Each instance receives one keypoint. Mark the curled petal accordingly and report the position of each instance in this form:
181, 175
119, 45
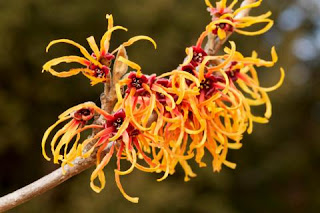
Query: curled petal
109, 18
259, 32
167, 167
66, 59
222, 34
245, 7
117, 179
81, 48
79, 106
188, 59
105, 40
229, 164
98, 172
201, 38
133, 163
229, 58
232, 4
187, 169
131, 64
269, 89
249, 20
138, 38
46, 134
183, 73
94, 46
208, 3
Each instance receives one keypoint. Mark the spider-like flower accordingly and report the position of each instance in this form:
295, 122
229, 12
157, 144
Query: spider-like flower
80, 115
242, 72
96, 65
139, 99
225, 20
145, 95
117, 134
227, 110
217, 109
121, 136
195, 54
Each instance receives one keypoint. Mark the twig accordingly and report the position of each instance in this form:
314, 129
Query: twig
108, 99
44, 184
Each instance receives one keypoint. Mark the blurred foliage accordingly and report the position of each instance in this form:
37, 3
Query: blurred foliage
277, 167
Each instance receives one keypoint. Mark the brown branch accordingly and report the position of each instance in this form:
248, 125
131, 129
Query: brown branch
108, 99
44, 184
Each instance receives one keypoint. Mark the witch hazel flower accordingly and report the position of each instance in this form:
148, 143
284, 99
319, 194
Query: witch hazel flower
226, 20
126, 142
144, 95
118, 135
139, 99
243, 71
210, 106
80, 115
96, 65
187, 117
230, 105
151, 93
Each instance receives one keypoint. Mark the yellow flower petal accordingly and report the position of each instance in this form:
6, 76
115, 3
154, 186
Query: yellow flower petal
255, 4
222, 34
94, 46
80, 47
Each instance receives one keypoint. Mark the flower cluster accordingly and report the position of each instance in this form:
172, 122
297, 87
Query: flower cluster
160, 122
96, 66
225, 20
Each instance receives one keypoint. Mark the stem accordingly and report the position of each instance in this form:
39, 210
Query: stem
44, 184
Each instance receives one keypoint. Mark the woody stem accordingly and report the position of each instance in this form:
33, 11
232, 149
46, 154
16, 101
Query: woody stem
44, 184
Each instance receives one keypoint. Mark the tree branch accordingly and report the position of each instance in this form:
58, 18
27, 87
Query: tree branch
44, 184
108, 99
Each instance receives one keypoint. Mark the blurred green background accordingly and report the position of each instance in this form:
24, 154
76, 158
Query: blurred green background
277, 167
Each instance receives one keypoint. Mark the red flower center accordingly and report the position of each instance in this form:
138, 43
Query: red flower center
132, 131
189, 69
207, 85
106, 59
224, 26
117, 123
99, 72
117, 120
233, 73
137, 83
84, 114
198, 55
164, 83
